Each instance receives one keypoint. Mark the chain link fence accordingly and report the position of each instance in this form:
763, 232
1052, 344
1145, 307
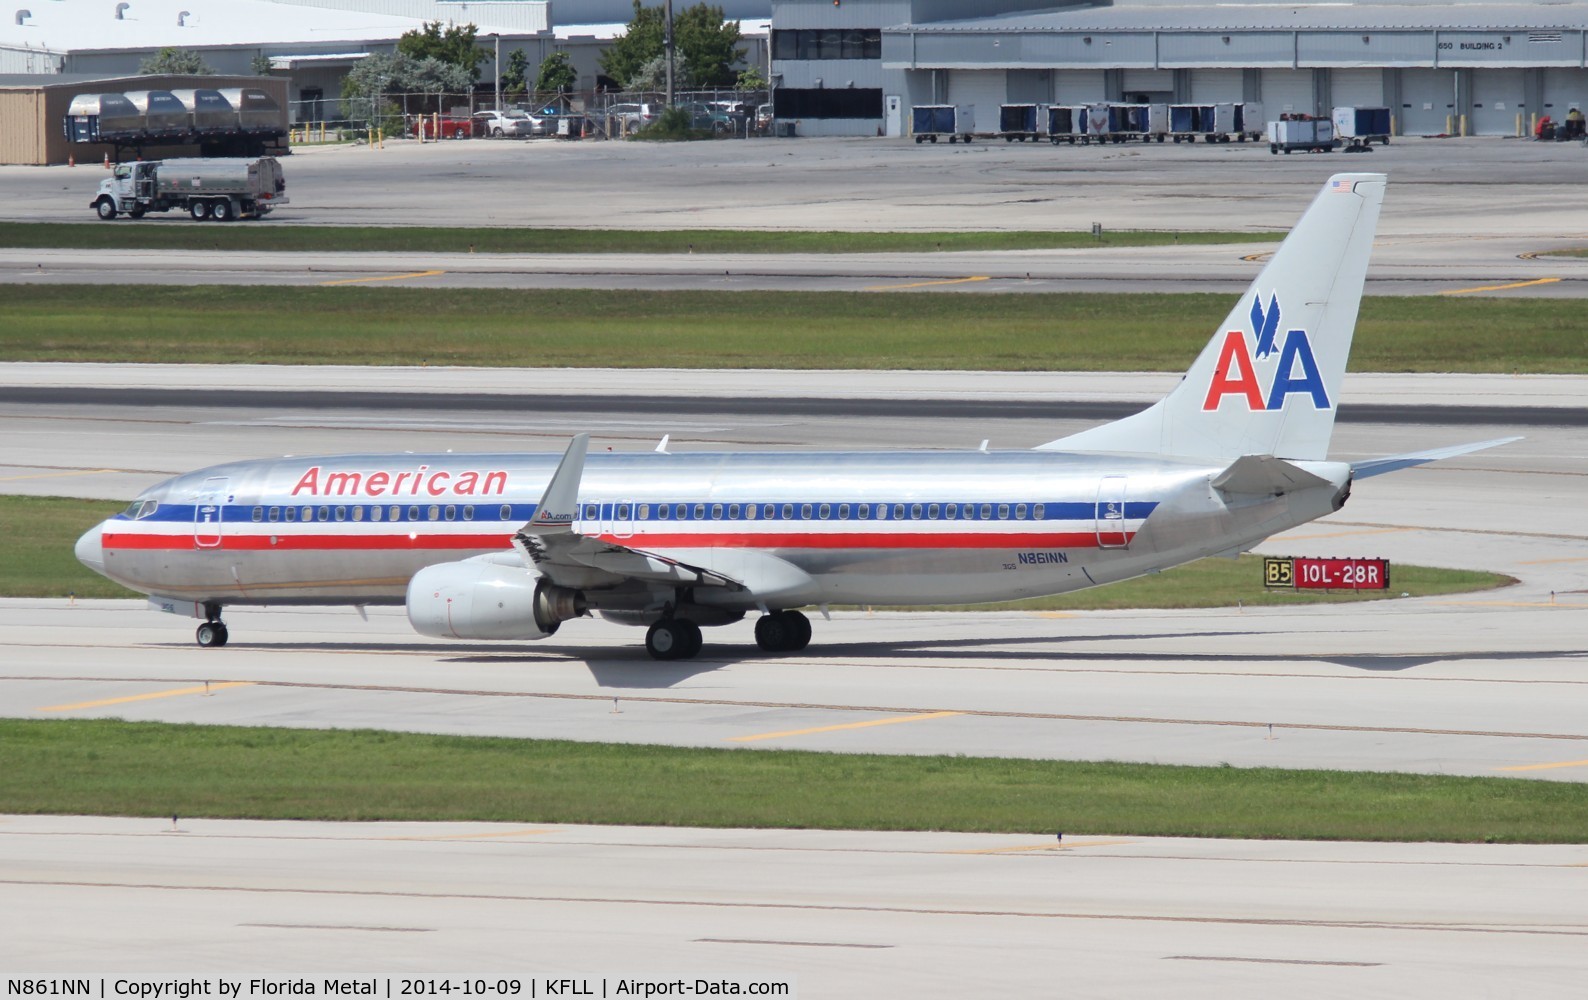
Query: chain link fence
720, 113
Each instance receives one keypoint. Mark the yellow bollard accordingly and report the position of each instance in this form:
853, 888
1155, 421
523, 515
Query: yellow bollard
1450, 125
1463, 126
1532, 123
380, 138
1519, 124
1394, 130
322, 131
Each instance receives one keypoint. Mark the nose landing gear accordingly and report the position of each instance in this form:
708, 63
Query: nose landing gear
212, 634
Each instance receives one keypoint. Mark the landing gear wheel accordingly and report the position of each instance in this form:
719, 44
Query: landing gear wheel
673, 639
212, 635
199, 210
783, 632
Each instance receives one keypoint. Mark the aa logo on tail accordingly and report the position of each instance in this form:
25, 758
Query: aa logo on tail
1295, 372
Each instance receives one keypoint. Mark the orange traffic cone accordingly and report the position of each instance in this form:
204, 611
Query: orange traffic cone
107, 161
71, 159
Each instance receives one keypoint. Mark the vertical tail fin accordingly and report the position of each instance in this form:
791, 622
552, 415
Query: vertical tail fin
1269, 380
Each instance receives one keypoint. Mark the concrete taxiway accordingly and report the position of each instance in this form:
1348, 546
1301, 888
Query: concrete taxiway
844, 914
1470, 684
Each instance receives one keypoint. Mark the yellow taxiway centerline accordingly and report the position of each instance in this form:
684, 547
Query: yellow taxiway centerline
847, 725
383, 277
101, 703
1545, 767
1501, 288
926, 284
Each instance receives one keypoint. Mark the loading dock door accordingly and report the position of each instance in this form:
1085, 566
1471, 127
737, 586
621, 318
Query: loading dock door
986, 90
1497, 97
1288, 91
1357, 88
1428, 98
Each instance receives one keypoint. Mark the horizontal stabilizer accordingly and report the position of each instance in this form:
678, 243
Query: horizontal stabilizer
1394, 463
1265, 475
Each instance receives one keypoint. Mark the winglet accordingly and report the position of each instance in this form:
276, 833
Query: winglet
559, 505
1394, 463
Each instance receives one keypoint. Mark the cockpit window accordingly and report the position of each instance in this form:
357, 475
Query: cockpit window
140, 509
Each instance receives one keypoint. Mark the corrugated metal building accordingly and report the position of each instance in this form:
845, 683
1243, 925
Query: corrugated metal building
1435, 66
33, 108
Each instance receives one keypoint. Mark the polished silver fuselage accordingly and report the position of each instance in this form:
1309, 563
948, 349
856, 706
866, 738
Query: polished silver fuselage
859, 527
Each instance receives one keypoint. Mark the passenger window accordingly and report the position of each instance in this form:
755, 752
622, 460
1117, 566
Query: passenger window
413, 513
375, 513
325, 513
259, 513
716, 512
645, 512
662, 510
396, 514
700, 512
951, 512
826, 511
358, 513
882, 512
275, 513
788, 511
468, 512
506, 512
898, 512
915, 511
986, 511
1003, 511
591, 511
1039, 512
341, 513
452, 512
1020, 512
805, 511
931, 512
750, 511
733, 512
843, 512
435, 513
679, 512
292, 514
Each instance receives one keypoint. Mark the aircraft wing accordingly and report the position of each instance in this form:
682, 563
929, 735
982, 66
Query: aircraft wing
570, 559
1394, 463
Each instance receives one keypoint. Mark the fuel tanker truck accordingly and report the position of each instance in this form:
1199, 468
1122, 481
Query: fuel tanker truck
219, 189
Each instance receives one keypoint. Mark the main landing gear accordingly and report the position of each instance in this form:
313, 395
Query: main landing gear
213, 632
783, 632
679, 638
673, 639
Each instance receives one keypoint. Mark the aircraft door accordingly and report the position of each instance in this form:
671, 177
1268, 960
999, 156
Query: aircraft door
207, 508
1110, 511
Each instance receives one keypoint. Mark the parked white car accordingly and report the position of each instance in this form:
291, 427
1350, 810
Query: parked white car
504, 124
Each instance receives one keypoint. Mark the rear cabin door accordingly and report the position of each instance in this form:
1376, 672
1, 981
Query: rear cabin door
1111, 530
207, 507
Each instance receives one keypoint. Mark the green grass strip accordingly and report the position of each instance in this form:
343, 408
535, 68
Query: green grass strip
151, 769
36, 560
630, 329
153, 234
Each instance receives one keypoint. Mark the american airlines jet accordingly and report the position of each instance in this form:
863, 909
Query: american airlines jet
512, 546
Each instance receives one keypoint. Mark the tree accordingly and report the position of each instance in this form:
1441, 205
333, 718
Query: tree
557, 75
515, 79
653, 75
175, 62
750, 79
642, 42
709, 43
455, 44
259, 65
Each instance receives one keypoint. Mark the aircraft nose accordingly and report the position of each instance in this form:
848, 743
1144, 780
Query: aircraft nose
91, 550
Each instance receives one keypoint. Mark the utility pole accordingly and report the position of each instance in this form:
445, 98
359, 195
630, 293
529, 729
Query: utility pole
497, 36
667, 41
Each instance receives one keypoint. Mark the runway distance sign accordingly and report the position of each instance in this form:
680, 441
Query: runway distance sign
1307, 573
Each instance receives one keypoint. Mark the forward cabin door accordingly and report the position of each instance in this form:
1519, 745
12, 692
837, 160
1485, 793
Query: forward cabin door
207, 507
1111, 531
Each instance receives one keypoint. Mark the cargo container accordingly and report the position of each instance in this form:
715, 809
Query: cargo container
1314, 135
257, 112
164, 117
219, 189
1360, 126
209, 112
1188, 121
1065, 123
1019, 121
928, 121
1154, 122
103, 118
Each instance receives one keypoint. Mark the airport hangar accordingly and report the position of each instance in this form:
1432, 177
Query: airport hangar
855, 67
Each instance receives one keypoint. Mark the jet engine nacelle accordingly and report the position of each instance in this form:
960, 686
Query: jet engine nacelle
485, 600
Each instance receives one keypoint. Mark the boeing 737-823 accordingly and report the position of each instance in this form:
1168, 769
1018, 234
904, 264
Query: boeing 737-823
512, 546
